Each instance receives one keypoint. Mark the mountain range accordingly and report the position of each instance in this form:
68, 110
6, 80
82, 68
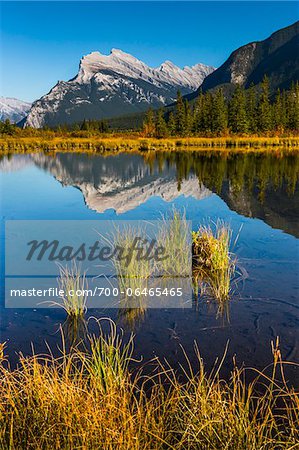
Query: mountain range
121, 88
13, 109
113, 85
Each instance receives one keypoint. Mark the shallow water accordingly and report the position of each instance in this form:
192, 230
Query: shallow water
257, 194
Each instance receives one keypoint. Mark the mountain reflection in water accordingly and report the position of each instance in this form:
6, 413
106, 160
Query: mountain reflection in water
236, 187
261, 185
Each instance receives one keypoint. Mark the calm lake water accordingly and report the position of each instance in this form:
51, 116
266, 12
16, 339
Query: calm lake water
257, 194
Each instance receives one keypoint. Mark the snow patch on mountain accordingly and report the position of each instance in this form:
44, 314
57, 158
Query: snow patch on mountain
13, 109
114, 85
125, 64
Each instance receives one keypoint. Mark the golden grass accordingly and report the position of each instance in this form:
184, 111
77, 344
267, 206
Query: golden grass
173, 236
2, 348
214, 265
93, 400
73, 284
114, 144
132, 273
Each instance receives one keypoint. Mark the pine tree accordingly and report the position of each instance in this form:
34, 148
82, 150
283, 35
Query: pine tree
251, 109
180, 115
278, 113
103, 126
198, 113
149, 124
7, 127
293, 107
171, 124
76, 127
237, 111
161, 127
296, 107
219, 121
84, 125
264, 108
207, 113
284, 102
188, 119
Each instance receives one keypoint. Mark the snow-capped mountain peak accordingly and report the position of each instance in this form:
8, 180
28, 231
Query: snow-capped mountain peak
113, 85
117, 61
121, 54
167, 65
13, 109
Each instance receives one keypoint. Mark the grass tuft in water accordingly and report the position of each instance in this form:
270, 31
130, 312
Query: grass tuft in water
132, 316
174, 237
213, 264
74, 286
132, 273
75, 329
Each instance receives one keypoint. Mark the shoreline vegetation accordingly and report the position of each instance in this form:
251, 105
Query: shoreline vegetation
93, 398
61, 142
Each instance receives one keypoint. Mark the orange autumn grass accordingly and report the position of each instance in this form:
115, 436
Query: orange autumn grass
118, 143
91, 400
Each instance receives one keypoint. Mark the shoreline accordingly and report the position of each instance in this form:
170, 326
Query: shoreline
133, 144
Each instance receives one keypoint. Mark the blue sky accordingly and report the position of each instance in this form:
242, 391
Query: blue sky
42, 42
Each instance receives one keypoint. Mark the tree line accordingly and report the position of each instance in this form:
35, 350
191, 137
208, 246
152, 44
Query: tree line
248, 111
90, 126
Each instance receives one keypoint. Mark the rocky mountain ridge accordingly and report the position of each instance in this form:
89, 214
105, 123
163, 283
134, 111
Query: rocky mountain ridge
13, 109
113, 85
277, 57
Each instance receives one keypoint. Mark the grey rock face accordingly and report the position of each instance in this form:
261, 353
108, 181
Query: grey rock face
111, 86
277, 57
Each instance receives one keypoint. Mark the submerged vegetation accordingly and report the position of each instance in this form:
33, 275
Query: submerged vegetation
93, 398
